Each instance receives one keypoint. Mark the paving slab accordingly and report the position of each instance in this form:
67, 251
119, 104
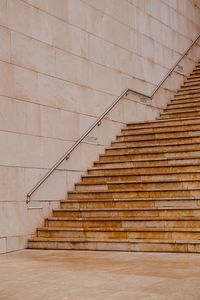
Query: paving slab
85, 275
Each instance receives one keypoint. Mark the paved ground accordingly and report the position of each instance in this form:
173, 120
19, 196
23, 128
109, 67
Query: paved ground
84, 275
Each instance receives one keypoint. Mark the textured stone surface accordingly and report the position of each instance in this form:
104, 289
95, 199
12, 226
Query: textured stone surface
85, 275
61, 65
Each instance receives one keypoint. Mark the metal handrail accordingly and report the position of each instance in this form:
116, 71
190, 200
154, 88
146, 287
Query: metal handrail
175, 65
66, 156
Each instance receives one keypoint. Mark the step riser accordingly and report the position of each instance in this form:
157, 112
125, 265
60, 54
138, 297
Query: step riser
134, 194
124, 224
180, 115
137, 213
182, 109
158, 136
160, 130
191, 83
145, 171
119, 178
102, 246
194, 76
138, 186
197, 67
190, 87
118, 235
184, 102
193, 79
178, 106
155, 163
188, 91
131, 204
195, 72
154, 149
159, 123
182, 154
184, 97
157, 142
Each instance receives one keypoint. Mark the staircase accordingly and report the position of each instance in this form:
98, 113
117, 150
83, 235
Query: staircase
144, 193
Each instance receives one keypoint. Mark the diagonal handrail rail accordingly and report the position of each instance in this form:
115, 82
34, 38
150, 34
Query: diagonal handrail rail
66, 155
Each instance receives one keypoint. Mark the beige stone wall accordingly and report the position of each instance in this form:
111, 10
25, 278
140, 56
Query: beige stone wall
62, 62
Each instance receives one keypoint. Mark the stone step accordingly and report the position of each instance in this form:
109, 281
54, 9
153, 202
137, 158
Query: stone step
151, 193
124, 222
183, 101
190, 87
161, 148
119, 233
197, 67
194, 75
138, 185
156, 155
158, 136
129, 212
102, 179
190, 105
160, 123
159, 170
191, 81
195, 72
184, 97
186, 91
154, 185
127, 163
180, 114
162, 129
137, 245
131, 203
181, 109
157, 141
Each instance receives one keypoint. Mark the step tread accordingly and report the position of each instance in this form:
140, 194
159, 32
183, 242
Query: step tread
140, 182
136, 218
99, 229
126, 209
99, 176
134, 190
129, 200
178, 101
156, 134
153, 159
187, 92
160, 125
160, 241
161, 120
148, 153
143, 167
151, 146
177, 106
158, 139
176, 111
